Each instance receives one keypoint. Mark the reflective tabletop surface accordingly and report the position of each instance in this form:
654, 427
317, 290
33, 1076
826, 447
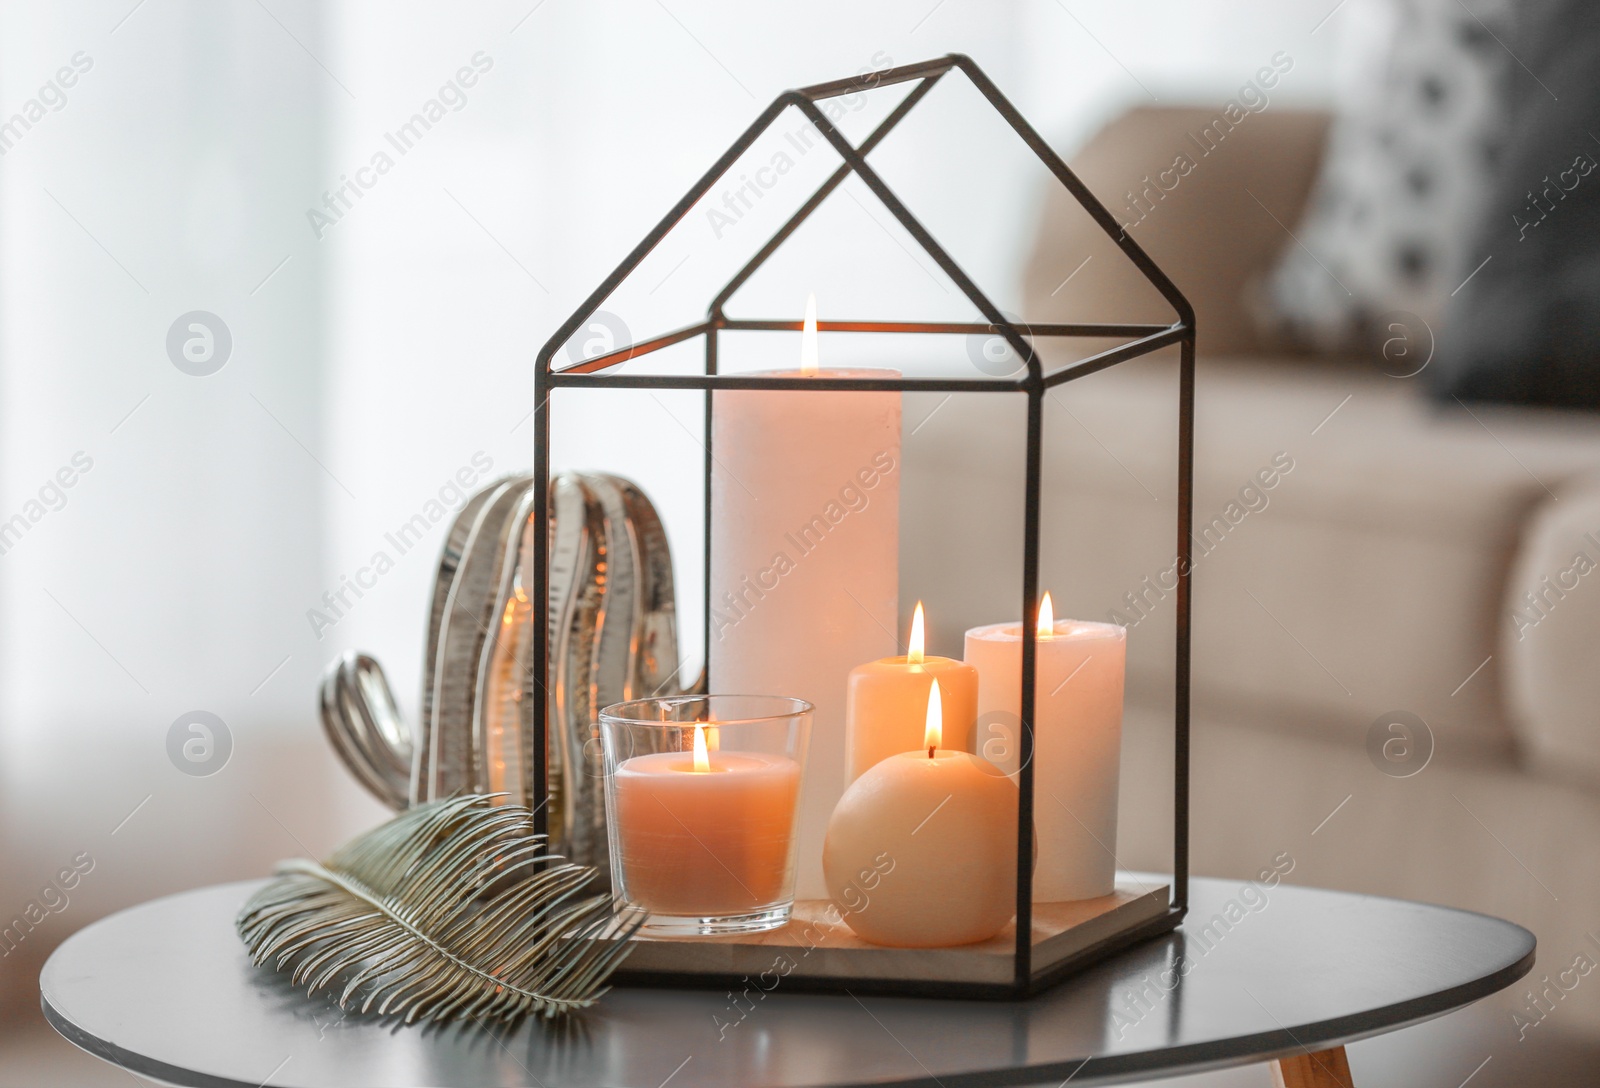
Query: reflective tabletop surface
165, 989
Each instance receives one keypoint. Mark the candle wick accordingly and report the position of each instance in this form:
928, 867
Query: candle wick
930, 751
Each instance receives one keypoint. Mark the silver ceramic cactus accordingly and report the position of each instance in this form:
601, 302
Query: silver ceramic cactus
613, 637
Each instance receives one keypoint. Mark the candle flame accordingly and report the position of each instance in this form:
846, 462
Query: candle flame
808, 339
933, 734
1047, 617
702, 762
914, 655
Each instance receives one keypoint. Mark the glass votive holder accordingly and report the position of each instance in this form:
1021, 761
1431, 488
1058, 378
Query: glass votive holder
702, 798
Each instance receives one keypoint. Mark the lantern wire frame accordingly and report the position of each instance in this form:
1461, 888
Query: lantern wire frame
1031, 379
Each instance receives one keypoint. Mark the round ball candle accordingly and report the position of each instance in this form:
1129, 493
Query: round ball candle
1077, 740
922, 849
886, 702
706, 833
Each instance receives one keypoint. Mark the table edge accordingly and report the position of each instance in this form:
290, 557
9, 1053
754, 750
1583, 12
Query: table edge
1161, 1062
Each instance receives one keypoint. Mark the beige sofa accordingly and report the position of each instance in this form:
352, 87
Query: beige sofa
1360, 552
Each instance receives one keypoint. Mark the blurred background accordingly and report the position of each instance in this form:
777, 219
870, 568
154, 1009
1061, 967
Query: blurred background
254, 318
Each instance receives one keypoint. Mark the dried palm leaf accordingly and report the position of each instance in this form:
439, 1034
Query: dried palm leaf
452, 909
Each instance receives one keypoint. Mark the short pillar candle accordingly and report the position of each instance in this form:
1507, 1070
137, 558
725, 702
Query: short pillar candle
886, 703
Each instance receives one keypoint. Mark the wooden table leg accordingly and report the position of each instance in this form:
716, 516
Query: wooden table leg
1321, 1069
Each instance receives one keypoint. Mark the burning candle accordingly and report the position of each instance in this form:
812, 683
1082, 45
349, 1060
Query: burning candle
886, 700
1077, 740
702, 836
805, 556
922, 850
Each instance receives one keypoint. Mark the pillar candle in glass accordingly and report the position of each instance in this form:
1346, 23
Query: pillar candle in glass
701, 799
805, 557
886, 703
1077, 741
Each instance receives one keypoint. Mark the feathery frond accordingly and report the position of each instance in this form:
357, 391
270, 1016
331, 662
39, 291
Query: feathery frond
452, 909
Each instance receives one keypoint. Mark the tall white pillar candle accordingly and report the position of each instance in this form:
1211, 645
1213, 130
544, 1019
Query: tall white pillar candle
805, 533
1077, 740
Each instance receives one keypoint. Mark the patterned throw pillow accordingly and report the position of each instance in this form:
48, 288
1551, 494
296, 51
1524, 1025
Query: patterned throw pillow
1419, 125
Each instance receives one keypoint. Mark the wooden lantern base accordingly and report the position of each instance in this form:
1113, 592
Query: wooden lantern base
814, 953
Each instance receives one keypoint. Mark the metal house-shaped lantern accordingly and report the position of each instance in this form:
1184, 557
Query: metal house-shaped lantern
1028, 962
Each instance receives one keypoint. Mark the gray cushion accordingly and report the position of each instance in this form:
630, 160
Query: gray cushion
1526, 327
